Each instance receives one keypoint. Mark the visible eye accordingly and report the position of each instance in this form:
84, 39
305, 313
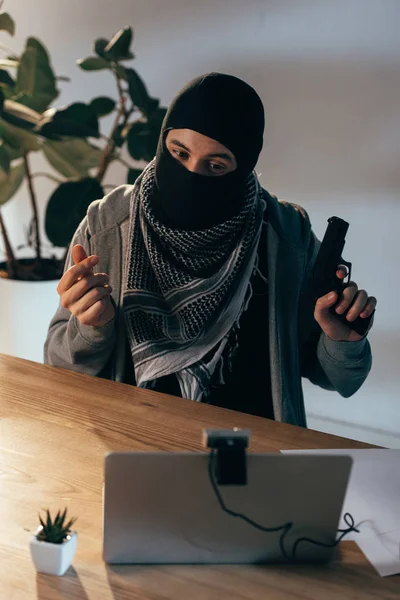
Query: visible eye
217, 168
180, 153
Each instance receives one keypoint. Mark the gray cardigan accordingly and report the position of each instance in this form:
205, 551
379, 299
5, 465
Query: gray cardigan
291, 250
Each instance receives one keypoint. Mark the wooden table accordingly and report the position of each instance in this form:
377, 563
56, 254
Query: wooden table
56, 426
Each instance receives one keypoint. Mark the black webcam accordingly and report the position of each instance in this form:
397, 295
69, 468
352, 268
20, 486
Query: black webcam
229, 447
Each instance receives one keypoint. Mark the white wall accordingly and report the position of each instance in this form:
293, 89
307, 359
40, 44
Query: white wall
329, 76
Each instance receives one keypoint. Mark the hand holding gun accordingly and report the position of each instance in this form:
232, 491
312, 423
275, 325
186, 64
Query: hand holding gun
342, 310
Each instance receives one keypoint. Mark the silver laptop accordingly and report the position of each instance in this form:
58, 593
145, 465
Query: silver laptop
161, 508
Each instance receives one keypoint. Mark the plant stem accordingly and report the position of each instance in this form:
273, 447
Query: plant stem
11, 262
110, 146
108, 152
119, 87
34, 206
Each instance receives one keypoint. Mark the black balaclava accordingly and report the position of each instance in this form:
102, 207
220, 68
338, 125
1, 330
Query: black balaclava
229, 111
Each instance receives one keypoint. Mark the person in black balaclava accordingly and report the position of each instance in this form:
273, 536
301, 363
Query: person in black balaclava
197, 223
204, 225
208, 292
227, 110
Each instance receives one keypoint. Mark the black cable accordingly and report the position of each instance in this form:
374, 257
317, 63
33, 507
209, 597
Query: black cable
349, 520
284, 528
351, 527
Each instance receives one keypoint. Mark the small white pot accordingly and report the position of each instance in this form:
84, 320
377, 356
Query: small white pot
53, 559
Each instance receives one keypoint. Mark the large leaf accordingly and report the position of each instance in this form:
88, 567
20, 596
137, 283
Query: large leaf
6, 79
139, 94
13, 152
10, 183
118, 46
121, 72
120, 134
155, 124
20, 115
16, 129
18, 139
102, 106
72, 158
4, 158
76, 120
7, 63
93, 63
143, 136
138, 140
35, 77
137, 88
133, 174
7, 23
68, 206
156, 121
99, 46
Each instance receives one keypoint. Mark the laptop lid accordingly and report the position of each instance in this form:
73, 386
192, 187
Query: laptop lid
161, 508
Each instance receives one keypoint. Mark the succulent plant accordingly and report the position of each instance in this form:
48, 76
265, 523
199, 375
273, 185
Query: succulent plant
54, 531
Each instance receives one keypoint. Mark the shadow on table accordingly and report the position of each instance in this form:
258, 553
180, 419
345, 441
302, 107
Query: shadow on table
68, 586
125, 581
351, 577
154, 582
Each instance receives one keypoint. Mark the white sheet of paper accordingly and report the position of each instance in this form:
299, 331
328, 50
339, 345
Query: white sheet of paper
373, 499
383, 551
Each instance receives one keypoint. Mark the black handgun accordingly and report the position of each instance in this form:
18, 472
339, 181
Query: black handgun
324, 279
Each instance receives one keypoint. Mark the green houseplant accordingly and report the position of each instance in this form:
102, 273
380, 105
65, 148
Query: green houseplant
54, 544
71, 140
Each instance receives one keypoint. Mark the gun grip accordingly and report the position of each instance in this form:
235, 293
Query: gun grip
359, 325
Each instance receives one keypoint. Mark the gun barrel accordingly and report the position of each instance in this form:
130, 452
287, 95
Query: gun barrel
338, 227
331, 250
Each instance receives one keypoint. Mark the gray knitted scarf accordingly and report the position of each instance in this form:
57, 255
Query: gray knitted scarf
185, 291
